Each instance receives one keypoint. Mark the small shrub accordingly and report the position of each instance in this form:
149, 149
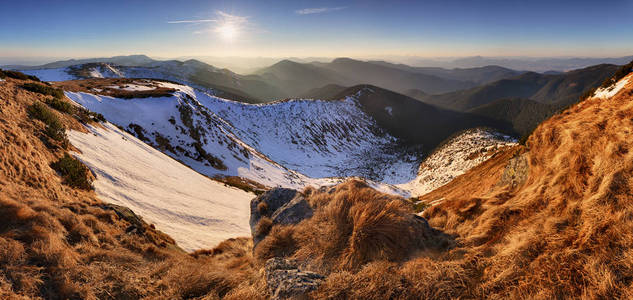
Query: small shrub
619, 74
263, 227
44, 90
138, 131
85, 116
54, 128
419, 206
73, 172
61, 105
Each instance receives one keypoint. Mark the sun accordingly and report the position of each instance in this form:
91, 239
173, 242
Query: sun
227, 31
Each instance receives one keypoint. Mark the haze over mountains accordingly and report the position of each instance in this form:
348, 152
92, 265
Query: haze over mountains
344, 118
485, 96
248, 65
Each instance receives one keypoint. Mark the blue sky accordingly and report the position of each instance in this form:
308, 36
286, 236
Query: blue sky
55, 28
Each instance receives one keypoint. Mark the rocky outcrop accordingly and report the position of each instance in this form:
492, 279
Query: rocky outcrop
277, 206
286, 281
515, 172
137, 225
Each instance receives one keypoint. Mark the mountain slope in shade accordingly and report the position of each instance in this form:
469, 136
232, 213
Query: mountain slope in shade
415, 122
478, 75
415, 94
196, 211
326, 92
392, 78
296, 79
523, 114
560, 89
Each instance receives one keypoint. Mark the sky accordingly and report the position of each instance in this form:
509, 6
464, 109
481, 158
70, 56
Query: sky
434, 28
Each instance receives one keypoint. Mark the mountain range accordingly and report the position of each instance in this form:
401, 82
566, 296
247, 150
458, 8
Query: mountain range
508, 100
103, 178
285, 79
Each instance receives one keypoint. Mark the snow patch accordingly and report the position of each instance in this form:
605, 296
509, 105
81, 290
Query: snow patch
132, 87
457, 156
608, 92
196, 211
389, 110
58, 74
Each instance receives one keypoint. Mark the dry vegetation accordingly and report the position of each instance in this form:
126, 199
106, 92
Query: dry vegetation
60, 242
566, 231
244, 184
104, 86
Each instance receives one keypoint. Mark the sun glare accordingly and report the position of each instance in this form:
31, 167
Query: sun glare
227, 31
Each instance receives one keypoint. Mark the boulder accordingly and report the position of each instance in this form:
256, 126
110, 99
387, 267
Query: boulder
286, 281
282, 206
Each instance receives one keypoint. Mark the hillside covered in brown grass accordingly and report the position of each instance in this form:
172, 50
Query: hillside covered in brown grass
549, 220
553, 219
61, 242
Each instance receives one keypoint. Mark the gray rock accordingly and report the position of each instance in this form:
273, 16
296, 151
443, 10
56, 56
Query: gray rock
136, 222
274, 199
515, 172
286, 281
282, 206
293, 212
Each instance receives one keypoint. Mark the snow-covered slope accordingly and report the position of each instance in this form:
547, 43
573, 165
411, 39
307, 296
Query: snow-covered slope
454, 158
608, 92
192, 73
295, 143
58, 74
318, 138
292, 144
196, 211
184, 129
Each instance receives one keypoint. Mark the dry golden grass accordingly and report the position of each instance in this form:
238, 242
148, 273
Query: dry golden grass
352, 225
58, 242
566, 232
104, 86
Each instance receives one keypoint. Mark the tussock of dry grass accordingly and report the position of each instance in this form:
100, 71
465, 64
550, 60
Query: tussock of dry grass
352, 225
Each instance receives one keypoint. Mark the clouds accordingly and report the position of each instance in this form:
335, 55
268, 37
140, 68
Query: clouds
318, 10
192, 21
227, 26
